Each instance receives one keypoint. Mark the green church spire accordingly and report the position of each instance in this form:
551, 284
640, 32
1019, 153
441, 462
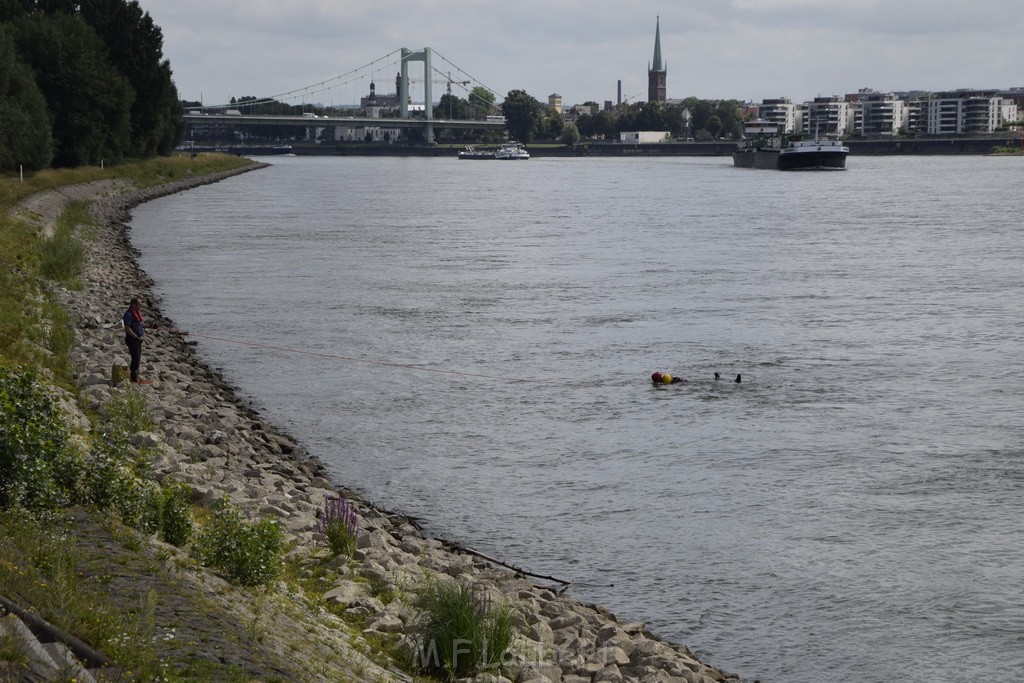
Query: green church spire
658, 66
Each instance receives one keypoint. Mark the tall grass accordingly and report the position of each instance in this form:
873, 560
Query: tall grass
461, 632
62, 255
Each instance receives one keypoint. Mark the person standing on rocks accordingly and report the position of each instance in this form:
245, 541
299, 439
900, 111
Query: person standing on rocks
134, 333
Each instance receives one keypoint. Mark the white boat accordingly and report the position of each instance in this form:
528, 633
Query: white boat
473, 153
512, 151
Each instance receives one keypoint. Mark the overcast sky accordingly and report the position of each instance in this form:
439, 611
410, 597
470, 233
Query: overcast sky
742, 49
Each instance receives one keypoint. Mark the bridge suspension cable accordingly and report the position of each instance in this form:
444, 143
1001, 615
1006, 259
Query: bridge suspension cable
360, 73
322, 86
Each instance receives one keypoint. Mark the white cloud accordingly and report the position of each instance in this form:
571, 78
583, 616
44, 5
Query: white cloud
747, 49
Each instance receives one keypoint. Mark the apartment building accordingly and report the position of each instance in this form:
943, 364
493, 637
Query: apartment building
969, 112
783, 113
827, 116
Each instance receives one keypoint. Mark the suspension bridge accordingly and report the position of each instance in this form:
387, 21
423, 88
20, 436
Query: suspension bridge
252, 114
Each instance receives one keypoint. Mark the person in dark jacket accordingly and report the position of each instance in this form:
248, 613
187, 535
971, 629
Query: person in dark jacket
134, 333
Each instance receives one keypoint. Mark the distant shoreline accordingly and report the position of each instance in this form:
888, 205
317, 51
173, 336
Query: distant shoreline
980, 145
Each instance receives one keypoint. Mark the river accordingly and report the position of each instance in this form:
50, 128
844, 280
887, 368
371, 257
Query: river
471, 344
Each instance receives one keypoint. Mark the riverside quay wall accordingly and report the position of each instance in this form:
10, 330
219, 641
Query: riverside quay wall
858, 147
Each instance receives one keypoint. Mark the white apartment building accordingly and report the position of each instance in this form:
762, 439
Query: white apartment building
875, 113
827, 116
965, 112
783, 113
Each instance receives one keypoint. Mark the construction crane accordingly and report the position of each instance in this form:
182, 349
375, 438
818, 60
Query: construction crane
448, 80
625, 101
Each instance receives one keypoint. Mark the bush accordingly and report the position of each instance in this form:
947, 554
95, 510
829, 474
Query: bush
339, 526
108, 474
126, 412
38, 465
176, 525
460, 632
249, 553
139, 505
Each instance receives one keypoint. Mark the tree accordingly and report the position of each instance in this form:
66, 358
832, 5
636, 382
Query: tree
453, 107
714, 126
135, 48
522, 113
482, 101
570, 135
89, 101
25, 137
549, 123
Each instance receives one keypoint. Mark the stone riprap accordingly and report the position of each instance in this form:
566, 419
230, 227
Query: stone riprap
206, 436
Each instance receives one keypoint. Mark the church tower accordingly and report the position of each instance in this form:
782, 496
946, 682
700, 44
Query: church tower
657, 71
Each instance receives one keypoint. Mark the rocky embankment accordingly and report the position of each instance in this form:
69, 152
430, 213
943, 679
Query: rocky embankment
206, 436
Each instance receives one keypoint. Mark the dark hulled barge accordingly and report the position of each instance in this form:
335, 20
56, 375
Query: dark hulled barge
764, 147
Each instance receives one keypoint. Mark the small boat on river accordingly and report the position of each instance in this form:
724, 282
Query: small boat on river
473, 153
513, 151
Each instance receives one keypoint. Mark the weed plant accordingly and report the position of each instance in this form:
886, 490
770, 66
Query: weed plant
460, 632
176, 525
38, 463
249, 553
339, 526
126, 413
62, 256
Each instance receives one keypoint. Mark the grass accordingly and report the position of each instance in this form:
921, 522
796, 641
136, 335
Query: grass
461, 632
126, 412
40, 567
142, 174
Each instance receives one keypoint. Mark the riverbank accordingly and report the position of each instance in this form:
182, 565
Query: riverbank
893, 146
358, 615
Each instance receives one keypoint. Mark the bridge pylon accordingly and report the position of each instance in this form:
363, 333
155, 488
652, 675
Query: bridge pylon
403, 90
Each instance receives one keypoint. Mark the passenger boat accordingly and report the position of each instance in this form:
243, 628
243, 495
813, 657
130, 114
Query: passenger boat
473, 153
512, 151
764, 147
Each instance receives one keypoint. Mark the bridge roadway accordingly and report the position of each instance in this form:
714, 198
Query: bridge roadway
343, 121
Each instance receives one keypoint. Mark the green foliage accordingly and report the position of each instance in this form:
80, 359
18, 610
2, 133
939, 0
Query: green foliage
126, 412
135, 47
460, 632
249, 553
38, 465
570, 135
600, 125
482, 101
98, 88
176, 525
89, 101
110, 476
25, 138
139, 506
453, 107
62, 256
522, 115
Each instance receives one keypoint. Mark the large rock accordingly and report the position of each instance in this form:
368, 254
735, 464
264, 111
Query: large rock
346, 593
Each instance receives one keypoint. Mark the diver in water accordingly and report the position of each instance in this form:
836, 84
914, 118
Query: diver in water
665, 378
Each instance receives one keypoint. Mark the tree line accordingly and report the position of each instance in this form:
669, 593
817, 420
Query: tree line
83, 82
528, 119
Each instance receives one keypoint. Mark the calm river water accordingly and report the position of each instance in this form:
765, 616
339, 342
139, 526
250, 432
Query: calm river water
471, 343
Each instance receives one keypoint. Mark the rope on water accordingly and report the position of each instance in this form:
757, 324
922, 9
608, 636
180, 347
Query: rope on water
405, 366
